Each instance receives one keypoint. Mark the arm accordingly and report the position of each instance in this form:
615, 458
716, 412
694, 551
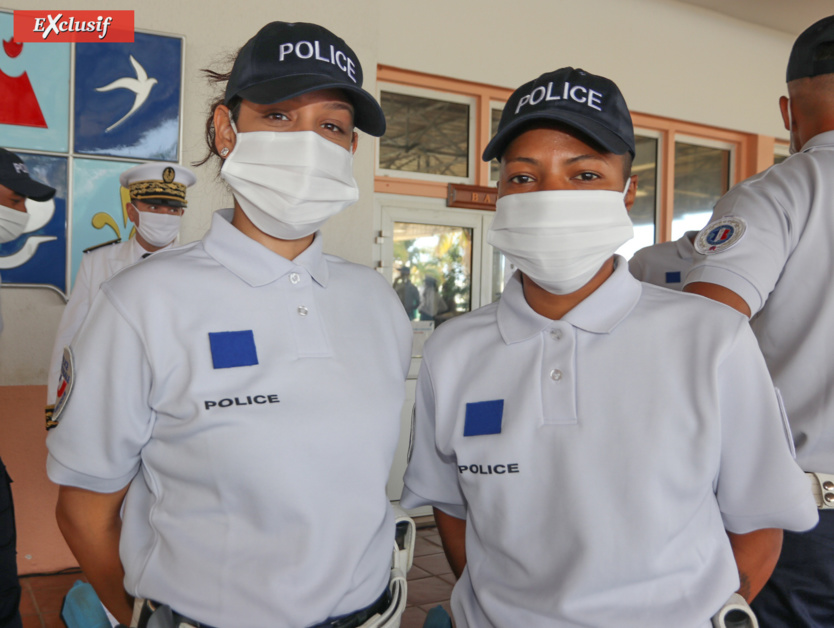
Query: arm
91, 524
453, 535
71, 319
720, 294
756, 554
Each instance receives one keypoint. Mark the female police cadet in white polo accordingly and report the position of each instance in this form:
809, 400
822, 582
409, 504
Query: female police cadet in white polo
589, 440
247, 405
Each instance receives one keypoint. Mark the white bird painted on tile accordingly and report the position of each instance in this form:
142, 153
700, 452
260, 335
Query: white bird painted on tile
141, 86
25, 254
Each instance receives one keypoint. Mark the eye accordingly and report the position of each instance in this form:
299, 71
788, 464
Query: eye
332, 127
276, 115
521, 179
586, 176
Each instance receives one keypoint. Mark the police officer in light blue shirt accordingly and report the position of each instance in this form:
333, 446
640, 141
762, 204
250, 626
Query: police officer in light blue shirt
230, 408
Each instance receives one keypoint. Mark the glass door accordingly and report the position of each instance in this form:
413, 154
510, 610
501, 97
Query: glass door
438, 261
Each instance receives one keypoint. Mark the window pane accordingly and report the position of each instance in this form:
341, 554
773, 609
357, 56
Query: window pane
494, 165
424, 135
433, 270
702, 176
644, 210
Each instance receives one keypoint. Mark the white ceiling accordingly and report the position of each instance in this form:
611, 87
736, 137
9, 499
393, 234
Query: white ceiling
790, 16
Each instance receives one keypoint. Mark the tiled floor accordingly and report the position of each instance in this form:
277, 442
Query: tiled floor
430, 583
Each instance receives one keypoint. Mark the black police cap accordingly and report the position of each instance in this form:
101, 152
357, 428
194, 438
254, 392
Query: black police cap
813, 51
284, 60
15, 176
593, 105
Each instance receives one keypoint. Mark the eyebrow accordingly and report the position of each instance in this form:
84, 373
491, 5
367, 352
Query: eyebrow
579, 158
337, 104
526, 160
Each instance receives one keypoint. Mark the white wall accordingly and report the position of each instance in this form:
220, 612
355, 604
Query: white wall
670, 59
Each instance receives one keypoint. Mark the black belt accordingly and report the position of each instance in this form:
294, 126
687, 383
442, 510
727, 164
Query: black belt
150, 606
352, 620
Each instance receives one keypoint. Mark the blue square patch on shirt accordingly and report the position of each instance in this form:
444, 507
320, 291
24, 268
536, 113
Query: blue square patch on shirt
673, 277
483, 417
233, 348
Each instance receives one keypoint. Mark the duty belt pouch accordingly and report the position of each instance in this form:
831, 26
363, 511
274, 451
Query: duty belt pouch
735, 614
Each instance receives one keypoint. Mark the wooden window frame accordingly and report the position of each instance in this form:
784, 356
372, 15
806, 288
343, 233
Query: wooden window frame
752, 153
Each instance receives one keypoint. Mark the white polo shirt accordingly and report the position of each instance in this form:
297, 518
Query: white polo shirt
598, 459
664, 264
781, 266
256, 420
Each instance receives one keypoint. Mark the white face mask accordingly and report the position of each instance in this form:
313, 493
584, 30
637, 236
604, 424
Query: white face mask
12, 223
560, 238
158, 229
289, 183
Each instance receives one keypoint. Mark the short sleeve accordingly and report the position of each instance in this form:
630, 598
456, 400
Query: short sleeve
74, 314
759, 483
431, 477
107, 418
751, 265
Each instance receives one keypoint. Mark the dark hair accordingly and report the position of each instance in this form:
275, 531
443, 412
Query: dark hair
218, 79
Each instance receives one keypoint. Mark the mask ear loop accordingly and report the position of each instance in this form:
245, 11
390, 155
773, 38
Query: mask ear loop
232, 122
627, 185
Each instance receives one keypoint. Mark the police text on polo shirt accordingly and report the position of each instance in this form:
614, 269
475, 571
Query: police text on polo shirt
489, 469
576, 93
307, 50
249, 400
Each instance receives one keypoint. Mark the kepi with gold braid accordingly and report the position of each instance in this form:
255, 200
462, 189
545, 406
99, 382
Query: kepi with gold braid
160, 183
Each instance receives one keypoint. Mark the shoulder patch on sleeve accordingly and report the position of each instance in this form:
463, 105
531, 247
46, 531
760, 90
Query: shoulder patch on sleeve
65, 381
720, 235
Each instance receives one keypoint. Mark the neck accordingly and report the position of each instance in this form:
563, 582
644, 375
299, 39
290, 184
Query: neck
289, 249
555, 306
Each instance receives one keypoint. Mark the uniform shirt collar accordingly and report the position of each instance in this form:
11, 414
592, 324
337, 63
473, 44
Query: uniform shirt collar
137, 251
253, 262
599, 313
821, 139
